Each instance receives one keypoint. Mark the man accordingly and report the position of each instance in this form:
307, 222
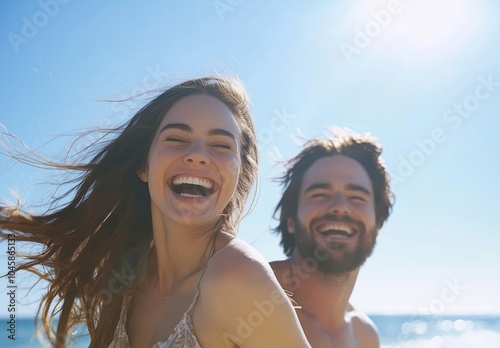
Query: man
336, 198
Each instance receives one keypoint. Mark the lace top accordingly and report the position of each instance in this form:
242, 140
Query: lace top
181, 337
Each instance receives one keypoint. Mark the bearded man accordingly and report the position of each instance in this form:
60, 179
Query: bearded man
336, 198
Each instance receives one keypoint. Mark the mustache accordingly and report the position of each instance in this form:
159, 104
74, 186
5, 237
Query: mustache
334, 218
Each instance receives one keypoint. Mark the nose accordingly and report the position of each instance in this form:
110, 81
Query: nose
197, 154
340, 204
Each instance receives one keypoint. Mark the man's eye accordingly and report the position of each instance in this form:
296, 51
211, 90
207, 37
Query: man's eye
358, 198
318, 195
222, 146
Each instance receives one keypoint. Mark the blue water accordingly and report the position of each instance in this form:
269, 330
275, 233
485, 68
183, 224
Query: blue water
429, 331
396, 331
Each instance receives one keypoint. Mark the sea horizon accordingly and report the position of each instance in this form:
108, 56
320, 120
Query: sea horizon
396, 330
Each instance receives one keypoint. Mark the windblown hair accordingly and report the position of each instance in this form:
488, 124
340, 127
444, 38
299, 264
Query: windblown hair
96, 244
361, 148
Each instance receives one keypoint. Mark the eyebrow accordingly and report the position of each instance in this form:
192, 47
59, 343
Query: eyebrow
350, 187
219, 131
354, 187
316, 187
180, 126
184, 127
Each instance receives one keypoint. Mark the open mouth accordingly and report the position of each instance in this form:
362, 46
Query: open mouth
188, 186
337, 230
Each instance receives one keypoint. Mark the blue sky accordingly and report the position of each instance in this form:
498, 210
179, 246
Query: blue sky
421, 76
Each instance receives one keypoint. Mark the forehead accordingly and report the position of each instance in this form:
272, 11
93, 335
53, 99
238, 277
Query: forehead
202, 111
336, 171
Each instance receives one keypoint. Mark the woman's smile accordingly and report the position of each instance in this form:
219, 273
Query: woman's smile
192, 186
194, 160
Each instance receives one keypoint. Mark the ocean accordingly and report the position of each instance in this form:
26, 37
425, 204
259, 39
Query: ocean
396, 331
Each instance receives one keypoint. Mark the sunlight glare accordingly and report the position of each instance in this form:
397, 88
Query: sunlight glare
419, 32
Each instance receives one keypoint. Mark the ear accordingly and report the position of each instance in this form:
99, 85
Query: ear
143, 175
290, 225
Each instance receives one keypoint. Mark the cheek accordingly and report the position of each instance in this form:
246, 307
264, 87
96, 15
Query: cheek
232, 168
158, 164
304, 211
164, 156
369, 214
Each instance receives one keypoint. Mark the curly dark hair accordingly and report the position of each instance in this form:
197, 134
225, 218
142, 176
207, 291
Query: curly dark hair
362, 148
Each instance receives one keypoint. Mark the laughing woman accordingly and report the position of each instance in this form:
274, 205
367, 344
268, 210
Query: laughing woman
144, 252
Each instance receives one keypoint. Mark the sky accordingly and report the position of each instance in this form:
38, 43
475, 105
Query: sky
421, 76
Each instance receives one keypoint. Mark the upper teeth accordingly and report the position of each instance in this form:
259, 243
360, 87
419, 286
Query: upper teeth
331, 227
193, 181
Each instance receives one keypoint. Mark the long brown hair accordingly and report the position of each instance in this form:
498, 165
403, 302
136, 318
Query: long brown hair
94, 245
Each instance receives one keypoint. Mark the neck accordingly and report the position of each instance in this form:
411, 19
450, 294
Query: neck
325, 297
181, 251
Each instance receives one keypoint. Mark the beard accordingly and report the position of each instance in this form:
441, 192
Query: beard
334, 258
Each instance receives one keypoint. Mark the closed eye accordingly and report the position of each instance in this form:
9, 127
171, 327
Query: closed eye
358, 198
175, 140
222, 145
318, 195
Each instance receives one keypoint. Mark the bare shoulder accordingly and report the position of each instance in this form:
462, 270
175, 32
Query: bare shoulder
364, 328
280, 269
238, 264
252, 308
280, 266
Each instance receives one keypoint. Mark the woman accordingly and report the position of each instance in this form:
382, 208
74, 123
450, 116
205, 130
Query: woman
145, 250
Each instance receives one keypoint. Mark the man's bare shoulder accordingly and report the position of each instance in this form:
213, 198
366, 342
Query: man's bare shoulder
364, 328
280, 267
